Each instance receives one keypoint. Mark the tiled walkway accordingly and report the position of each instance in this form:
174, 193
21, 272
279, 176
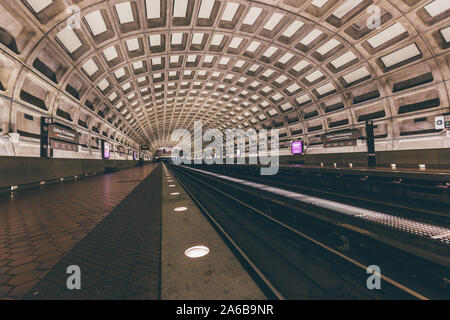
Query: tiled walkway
40, 226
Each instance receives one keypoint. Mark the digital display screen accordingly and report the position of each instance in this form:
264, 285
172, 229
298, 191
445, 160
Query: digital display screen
106, 150
297, 147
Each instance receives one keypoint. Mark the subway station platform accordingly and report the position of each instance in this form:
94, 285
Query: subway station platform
166, 232
121, 230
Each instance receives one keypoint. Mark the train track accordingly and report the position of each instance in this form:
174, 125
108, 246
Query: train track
294, 256
411, 210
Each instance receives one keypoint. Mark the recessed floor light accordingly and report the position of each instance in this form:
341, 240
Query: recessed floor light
171, 186
196, 252
174, 193
180, 209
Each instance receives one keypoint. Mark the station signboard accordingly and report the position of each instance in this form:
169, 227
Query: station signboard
442, 122
57, 136
106, 150
297, 147
341, 138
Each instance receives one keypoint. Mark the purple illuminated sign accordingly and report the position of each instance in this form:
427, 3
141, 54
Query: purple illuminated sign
297, 147
106, 147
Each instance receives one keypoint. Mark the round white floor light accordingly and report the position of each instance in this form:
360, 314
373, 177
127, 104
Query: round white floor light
180, 209
196, 252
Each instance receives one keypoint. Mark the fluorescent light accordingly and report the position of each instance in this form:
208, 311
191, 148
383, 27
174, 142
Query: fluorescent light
110, 53
138, 65
112, 96
286, 106
39, 5
208, 59
302, 99
328, 46
345, 8
119, 73
292, 88
446, 34
206, 9
400, 55
133, 44
254, 67
344, 59
268, 73
126, 86
252, 15
319, 3
273, 21
326, 88
277, 97
230, 11
125, 12
437, 7
386, 35
235, 42
180, 8
102, 85
69, 39
314, 76
286, 57
253, 46
310, 37
217, 39
224, 60
90, 67
153, 9
177, 38
197, 38
239, 64
96, 23
300, 65
174, 59
281, 79
155, 40
356, 75
270, 51
293, 28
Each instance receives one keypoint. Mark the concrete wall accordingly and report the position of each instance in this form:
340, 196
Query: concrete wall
19, 170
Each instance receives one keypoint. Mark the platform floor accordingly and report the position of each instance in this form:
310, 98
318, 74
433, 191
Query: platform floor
218, 275
122, 233
38, 227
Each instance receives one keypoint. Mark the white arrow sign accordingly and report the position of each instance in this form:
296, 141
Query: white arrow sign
439, 123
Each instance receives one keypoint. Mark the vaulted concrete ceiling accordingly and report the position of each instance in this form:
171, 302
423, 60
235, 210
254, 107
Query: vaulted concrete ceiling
146, 67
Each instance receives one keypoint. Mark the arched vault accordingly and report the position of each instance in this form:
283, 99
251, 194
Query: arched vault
141, 68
